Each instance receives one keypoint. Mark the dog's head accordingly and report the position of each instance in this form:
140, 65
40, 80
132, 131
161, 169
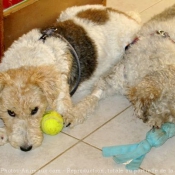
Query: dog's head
25, 93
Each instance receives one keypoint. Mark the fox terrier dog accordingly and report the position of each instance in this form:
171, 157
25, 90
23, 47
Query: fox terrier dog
146, 74
43, 69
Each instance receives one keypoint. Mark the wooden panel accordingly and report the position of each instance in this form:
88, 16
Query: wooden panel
40, 13
1, 30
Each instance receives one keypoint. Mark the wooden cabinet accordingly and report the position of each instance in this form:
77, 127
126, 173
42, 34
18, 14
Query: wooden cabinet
1, 30
33, 14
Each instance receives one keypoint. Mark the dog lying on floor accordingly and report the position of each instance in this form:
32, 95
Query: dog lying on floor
42, 69
146, 74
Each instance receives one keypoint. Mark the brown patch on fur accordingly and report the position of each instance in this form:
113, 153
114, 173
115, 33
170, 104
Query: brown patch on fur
46, 78
4, 80
120, 12
145, 96
99, 16
83, 45
142, 95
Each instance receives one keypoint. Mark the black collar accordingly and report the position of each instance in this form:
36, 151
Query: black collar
52, 31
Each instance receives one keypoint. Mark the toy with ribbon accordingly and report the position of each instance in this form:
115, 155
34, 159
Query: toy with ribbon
132, 155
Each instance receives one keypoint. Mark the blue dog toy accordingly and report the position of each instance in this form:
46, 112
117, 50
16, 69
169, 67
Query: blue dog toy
132, 155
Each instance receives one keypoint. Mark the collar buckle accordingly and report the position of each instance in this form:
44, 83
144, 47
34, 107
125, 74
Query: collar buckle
162, 33
48, 32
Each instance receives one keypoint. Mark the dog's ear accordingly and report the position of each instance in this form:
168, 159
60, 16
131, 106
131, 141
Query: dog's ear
47, 78
4, 80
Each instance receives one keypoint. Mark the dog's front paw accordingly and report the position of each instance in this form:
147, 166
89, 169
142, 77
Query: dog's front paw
3, 136
73, 118
155, 122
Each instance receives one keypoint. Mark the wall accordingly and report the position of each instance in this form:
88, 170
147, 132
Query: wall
37, 14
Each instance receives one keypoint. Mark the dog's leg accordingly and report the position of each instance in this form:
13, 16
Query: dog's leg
116, 79
86, 107
64, 101
109, 84
83, 109
143, 94
3, 136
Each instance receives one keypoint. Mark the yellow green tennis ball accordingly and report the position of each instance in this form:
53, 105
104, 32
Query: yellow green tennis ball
52, 123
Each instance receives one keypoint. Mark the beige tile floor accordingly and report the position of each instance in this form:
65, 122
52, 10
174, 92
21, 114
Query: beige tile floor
78, 150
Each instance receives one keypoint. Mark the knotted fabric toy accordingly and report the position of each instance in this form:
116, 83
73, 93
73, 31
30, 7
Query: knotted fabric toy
132, 155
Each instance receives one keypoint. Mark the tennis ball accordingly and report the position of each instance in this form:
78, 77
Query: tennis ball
52, 123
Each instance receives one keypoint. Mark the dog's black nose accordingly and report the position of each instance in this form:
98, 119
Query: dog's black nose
26, 148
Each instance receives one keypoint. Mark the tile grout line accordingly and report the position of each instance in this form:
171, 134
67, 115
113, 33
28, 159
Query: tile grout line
150, 6
57, 157
91, 145
99, 126
106, 122
82, 140
147, 171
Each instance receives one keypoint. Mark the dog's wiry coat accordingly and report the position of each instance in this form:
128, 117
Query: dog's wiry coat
146, 75
35, 74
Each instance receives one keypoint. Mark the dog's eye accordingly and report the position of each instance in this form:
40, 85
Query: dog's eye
11, 113
34, 111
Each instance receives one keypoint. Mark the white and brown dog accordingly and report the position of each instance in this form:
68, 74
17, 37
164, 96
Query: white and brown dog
146, 74
42, 68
